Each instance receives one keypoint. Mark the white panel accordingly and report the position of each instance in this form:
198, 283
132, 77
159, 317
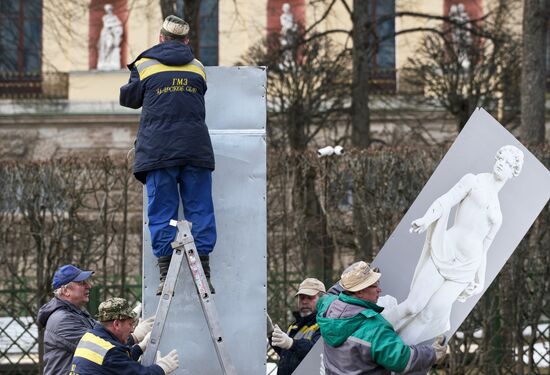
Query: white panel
235, 98
238, 261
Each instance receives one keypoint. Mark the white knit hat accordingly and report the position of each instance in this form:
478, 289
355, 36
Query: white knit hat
175, 27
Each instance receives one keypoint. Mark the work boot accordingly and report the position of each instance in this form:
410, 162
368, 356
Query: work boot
205, 261
164, 264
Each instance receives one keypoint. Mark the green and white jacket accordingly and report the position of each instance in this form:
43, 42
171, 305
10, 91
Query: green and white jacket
358, 340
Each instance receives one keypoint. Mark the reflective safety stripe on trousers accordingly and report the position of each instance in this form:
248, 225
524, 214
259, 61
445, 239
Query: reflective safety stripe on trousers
92, 348
147, 67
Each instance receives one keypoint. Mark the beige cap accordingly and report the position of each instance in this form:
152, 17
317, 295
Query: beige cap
311, 287
175, 27
358, 276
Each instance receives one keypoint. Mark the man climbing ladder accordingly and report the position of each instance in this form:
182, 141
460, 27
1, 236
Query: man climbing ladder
174, 155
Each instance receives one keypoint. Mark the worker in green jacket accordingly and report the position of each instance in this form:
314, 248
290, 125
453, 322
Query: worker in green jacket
357, 339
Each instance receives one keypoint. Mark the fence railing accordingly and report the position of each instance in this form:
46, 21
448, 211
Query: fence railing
39, 85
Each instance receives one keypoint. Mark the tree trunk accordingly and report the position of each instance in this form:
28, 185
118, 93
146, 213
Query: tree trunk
360, 113
360, 116
533, 71
315, 244
191, 15
191, 10
362, 233
168, 7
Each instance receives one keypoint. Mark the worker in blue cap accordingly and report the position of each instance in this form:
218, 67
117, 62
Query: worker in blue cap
66, 319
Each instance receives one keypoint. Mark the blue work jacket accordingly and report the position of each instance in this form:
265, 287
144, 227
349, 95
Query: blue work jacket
100, 353
169, 83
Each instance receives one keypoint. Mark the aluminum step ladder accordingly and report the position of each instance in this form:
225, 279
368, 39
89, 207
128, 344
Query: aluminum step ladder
184, 248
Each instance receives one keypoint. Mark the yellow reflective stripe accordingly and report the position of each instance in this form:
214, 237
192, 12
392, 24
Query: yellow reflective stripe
160, 68
141, 61
89, 337
145, 63
312, 328
197, 63
305, 332
89, 355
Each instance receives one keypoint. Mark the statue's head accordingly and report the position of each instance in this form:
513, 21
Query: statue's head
508, 161
108, 8
286, 8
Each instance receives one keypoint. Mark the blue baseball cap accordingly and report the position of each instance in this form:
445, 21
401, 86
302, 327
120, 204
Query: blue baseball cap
68, 273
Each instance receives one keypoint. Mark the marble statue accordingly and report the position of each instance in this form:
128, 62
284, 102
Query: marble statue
460, 34
289, 27
453, 260
108, 46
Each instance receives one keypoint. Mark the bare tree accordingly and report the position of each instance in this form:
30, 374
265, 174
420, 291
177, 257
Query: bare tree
360, 112
533, 72
307, 99
467, 66
491, 76
64, 211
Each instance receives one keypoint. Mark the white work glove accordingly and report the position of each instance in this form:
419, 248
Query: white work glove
168, 363
440, 348
137, 309
143, 328
281, 339
143, 343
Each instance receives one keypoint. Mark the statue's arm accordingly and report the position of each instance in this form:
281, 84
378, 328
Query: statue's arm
480, 274
478, 283
488, 240
451, 198
459, 191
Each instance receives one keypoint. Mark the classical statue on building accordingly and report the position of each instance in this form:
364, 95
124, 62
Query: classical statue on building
289, 28
460, 33
110, 38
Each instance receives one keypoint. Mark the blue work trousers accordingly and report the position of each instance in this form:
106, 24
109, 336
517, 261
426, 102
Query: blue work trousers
164, 187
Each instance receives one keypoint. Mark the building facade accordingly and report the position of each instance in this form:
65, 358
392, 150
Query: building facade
64, 61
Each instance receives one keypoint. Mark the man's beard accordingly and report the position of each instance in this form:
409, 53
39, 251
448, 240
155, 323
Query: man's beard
305, 312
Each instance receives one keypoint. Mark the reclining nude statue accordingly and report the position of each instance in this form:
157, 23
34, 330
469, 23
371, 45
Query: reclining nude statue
453, 261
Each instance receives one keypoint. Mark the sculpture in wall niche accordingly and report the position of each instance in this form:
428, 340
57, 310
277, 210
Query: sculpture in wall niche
289, 28
110, 38
461, 35
453, 260
288, 25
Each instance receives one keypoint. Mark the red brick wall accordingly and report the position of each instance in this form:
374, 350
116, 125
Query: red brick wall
120, 9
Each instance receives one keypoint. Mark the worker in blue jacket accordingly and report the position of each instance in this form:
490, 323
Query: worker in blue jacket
173, 150
103, 350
